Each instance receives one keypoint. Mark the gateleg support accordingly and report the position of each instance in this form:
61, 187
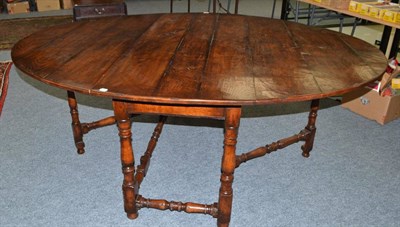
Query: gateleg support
307, 135
87, 127
141, 169
269, 148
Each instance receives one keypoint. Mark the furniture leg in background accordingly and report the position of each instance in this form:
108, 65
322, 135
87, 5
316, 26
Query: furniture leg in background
386, 36
284, 9
86, 9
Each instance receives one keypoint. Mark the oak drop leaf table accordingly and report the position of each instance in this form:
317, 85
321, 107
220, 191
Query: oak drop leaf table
200, 66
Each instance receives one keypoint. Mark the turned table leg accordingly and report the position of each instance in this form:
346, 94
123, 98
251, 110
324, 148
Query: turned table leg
127, 159
312, 118
232, 119
76, 124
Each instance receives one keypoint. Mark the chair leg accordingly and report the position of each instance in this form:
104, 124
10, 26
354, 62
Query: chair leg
341, 24
76, 124
297, 10
236, 6
171, 6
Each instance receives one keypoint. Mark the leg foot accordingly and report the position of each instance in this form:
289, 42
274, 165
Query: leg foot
132, 216
80, 147
305, 154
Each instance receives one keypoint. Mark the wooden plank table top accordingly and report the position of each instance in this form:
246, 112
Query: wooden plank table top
199, 59
195, 65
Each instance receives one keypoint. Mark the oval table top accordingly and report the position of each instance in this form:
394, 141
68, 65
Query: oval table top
199, 59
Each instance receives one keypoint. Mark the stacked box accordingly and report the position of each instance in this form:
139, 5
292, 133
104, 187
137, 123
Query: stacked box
46, 5
17, 7
387, 12
339, 4
364, 9
66, 4
378, 9
356, 5
397, 17
375, 9
391, 14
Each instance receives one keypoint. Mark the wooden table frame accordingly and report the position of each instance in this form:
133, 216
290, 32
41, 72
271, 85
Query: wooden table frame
238, 61
231, 115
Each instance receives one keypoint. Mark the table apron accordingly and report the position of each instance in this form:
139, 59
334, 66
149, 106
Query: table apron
215, 112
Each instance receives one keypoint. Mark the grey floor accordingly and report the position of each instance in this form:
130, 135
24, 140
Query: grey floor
351, 179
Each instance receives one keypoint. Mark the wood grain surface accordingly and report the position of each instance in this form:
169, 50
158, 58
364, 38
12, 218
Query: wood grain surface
199, 59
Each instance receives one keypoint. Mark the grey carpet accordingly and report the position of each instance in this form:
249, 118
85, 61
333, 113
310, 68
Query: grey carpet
351, 179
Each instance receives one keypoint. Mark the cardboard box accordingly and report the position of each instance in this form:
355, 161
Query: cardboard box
364, 8
374, 9
66, 4
46, 5
355, 5
378, 9
339, 4
386, 12
375, 12
389, 15
397, 17
17, 7
368, 103
396, 83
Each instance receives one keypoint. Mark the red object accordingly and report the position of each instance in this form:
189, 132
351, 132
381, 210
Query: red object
387, 92
4, 73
